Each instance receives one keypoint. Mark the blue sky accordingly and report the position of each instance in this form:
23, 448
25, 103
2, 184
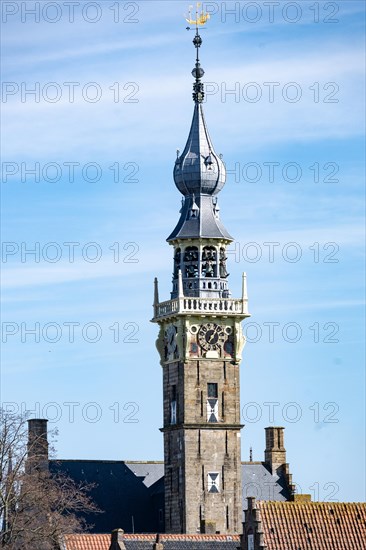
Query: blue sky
315, 200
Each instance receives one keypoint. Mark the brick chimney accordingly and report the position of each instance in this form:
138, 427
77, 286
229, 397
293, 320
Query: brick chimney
117, 542
275, 453
37, 443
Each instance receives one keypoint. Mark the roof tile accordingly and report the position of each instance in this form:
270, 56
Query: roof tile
313, 525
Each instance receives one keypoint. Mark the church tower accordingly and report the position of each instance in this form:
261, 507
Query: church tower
200, 344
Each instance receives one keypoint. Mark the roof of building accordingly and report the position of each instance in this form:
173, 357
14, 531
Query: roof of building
199, 170
259, 482
86, 542
146, 542
205, 223
148, 471
199, 174
131, 494
313, 525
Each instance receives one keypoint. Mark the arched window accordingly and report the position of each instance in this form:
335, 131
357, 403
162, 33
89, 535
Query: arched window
191, 262
177, 258
209, 261
222, 264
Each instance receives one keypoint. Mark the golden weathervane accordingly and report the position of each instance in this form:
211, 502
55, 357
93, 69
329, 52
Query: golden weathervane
201, 16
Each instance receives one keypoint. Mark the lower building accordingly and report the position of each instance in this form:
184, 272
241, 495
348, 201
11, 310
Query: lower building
304, 525
269, 525
130, 494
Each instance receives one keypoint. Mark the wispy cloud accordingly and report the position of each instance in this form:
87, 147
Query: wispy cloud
31, 135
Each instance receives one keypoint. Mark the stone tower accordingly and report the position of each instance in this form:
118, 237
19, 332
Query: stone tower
200, 344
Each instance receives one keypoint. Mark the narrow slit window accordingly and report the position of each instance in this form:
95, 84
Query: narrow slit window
173, 405
212, 402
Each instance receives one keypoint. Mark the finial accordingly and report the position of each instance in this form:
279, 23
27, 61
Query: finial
156, 292
245, 291
180, 285
178, 152
245, 294
198, 72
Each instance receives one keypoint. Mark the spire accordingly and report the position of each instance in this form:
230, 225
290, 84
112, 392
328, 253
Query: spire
199, 172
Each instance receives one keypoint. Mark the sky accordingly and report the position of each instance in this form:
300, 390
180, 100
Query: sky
96, 100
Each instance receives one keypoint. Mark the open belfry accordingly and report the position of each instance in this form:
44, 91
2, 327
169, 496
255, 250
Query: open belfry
200, 343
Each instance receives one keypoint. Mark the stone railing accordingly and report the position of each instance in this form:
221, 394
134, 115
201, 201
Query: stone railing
201, 306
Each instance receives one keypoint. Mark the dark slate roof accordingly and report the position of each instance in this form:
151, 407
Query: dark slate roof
205, 225
258, 482
149, 472
199, 170
131, 494
146, 542
128, 500
200, 545
199, 174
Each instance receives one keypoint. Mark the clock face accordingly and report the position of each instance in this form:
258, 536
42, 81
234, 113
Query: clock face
211, 336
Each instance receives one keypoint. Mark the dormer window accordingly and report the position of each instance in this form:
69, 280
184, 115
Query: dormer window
208, 162
194, 212
194, 209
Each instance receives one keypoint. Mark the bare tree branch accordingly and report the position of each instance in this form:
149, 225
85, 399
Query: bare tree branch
36, 506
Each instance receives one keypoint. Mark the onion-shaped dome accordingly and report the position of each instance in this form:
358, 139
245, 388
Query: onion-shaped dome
199, 170
199, 174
